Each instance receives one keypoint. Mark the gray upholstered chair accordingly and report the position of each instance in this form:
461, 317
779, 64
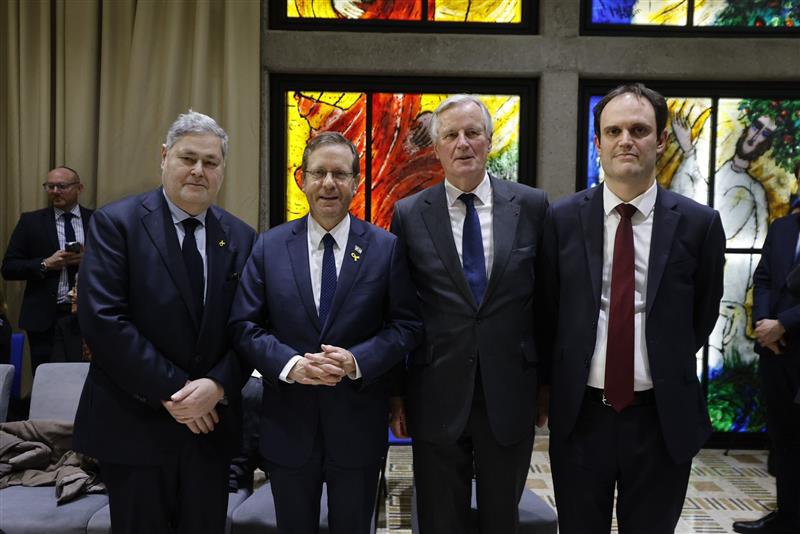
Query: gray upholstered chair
6, 381
55, 395
535, 515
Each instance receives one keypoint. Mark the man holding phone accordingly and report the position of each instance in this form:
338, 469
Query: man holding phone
45, 250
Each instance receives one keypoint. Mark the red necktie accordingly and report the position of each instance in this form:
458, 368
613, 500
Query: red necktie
619, 351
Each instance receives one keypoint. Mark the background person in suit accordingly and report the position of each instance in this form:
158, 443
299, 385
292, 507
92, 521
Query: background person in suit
471, 388
324, 311
37, 255
776, 319
160, 407
636, 278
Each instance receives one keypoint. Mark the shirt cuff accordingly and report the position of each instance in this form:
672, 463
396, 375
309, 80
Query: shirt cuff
284, 376
355, 375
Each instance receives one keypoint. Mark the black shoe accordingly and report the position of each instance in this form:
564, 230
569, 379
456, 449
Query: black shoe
766, 525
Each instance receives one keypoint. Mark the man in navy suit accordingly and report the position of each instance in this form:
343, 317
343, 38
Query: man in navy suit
325, 311
160, 407
636, 278
471, 389
36, 253
776, 319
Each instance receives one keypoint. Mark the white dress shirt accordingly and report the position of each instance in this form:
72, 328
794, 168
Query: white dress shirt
458, 212
316, 252
178, 216
77, 226
642, 222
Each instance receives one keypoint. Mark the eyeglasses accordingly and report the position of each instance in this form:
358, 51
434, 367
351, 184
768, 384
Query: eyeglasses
319, 174
58, 187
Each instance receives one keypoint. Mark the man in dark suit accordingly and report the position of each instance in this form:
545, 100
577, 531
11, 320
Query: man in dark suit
636, 277
471, 391
776, 319
160, 407
324, 311
36, 253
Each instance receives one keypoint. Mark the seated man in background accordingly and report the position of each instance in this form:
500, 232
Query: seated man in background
324, 310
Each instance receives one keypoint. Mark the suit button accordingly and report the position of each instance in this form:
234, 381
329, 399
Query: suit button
471, 360
478, 320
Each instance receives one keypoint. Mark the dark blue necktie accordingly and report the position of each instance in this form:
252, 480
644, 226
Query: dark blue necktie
69, 236
472, 249
194, 264
328, 287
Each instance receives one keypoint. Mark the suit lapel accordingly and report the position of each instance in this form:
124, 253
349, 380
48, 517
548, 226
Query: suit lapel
297, 245
592, 223
356, 247
665, 222
505, 216
437, 220
219, 257
49, 216
159, 226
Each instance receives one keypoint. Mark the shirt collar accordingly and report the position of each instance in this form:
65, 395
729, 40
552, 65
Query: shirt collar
339, 232
483, 191
178, 215
76, 211
644, 203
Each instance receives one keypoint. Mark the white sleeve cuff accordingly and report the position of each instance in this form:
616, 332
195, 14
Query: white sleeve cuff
284, 376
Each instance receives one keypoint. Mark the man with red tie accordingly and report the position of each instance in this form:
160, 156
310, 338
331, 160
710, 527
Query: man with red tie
635, 273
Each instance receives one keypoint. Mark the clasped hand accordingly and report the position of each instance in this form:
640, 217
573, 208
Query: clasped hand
769, 333
194, 405
326, 368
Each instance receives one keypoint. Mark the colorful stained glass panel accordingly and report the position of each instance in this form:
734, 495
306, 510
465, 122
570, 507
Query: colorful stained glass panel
747, 13
484, 11
640, 12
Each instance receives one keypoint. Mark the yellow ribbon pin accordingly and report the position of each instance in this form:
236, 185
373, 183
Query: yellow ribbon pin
222, 242
354, 256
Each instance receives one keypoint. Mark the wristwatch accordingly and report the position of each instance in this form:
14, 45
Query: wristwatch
43, 267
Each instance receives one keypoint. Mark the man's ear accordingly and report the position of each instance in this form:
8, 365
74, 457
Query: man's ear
662, 142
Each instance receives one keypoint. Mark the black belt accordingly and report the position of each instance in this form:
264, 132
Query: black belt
640, 398
64, 307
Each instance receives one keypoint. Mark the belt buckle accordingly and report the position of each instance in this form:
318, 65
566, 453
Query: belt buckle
605, 401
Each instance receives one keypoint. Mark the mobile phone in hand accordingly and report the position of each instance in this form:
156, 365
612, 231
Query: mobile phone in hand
72, 246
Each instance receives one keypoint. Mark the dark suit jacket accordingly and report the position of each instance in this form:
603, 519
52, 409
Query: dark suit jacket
772, 298
135, 311
34, 239
374, 315
498, 335
684, 287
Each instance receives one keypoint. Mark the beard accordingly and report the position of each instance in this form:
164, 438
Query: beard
754, 154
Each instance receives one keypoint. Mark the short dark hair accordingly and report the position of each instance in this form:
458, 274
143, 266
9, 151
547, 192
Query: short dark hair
330, 138
655, 98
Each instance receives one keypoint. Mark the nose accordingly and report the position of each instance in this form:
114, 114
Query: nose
328, 180
462, 139
197, 168
625, 138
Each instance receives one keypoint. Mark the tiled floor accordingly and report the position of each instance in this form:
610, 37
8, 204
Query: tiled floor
723, 488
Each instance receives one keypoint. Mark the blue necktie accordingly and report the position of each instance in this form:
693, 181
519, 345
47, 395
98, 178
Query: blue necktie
328, 287
472, 249
194, 264
69, 235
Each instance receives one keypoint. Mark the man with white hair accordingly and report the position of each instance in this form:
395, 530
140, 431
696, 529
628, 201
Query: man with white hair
160, 407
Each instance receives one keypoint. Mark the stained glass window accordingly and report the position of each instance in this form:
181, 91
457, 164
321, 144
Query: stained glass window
390, 131
486, 11
737, 155
747, 15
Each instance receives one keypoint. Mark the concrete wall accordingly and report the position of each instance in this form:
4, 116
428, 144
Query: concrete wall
558, 57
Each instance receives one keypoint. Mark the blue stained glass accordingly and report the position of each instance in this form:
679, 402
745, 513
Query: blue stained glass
612, 11
593, 159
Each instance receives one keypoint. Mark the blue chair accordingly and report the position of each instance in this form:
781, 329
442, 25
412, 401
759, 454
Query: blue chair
17, 351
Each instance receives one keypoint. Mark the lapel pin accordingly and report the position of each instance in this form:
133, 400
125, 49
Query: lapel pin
355, 256
358, 249
221, 242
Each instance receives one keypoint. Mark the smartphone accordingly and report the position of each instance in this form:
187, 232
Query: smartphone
72, 246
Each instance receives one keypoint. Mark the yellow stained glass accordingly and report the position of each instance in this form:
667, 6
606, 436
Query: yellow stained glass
491, 11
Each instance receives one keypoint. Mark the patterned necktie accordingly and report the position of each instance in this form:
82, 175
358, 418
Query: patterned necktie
619, 350
194, 264
472, 249
69, 236
328, 286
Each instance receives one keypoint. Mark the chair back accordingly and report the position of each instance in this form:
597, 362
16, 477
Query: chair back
17, 350
57, 390
6, 381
